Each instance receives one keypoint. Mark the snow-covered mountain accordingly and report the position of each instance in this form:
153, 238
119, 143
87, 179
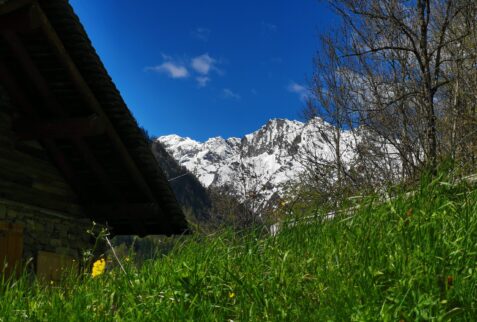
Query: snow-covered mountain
260, 162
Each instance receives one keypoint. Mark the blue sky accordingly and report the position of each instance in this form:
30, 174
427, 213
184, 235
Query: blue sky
207, 68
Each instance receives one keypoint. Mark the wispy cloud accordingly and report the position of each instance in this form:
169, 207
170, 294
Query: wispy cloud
268, 27
302, 92
201, 34
202, 81
229, 94
167, 57
171, 69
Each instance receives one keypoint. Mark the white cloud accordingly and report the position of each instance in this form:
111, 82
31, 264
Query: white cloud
200, 68
301, 90
227, 93
202, 80
171, 69
201, 33
203, 64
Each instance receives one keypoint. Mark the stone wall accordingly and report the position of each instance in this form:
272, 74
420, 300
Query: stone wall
46, 230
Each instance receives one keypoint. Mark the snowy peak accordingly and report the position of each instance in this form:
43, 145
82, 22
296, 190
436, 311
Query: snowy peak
275, 136
263, 161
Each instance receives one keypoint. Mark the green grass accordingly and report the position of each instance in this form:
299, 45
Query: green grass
414, 258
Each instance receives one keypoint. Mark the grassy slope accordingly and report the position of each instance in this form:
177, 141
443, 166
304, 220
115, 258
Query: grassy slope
411, 259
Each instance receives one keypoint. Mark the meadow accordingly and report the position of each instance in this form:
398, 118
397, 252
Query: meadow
411, 258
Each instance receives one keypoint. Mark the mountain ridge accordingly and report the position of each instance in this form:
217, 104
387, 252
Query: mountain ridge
263, 162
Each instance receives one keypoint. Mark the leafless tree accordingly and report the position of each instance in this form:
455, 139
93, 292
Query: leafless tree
401, 52
401, 78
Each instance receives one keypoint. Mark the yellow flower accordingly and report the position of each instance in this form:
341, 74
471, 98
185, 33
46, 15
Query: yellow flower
98, 267
231, 295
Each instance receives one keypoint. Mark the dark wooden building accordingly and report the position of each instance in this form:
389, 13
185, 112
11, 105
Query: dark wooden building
70, 150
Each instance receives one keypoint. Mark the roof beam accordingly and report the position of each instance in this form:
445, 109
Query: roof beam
90, 99
30, 129
97, 125
23, 20
13, 5
19, 98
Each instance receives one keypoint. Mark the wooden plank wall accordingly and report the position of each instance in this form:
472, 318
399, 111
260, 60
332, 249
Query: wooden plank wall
27, 175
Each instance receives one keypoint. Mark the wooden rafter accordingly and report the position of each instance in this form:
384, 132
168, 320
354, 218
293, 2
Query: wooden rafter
91, 101
19, 98
93, 125
11, 6
22, 20
27, 129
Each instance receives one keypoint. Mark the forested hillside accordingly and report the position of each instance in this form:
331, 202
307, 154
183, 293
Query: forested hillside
190, 193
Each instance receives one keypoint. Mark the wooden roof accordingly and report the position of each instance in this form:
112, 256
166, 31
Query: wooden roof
66, 100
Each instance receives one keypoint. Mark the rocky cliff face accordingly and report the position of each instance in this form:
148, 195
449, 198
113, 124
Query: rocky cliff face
262, 162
